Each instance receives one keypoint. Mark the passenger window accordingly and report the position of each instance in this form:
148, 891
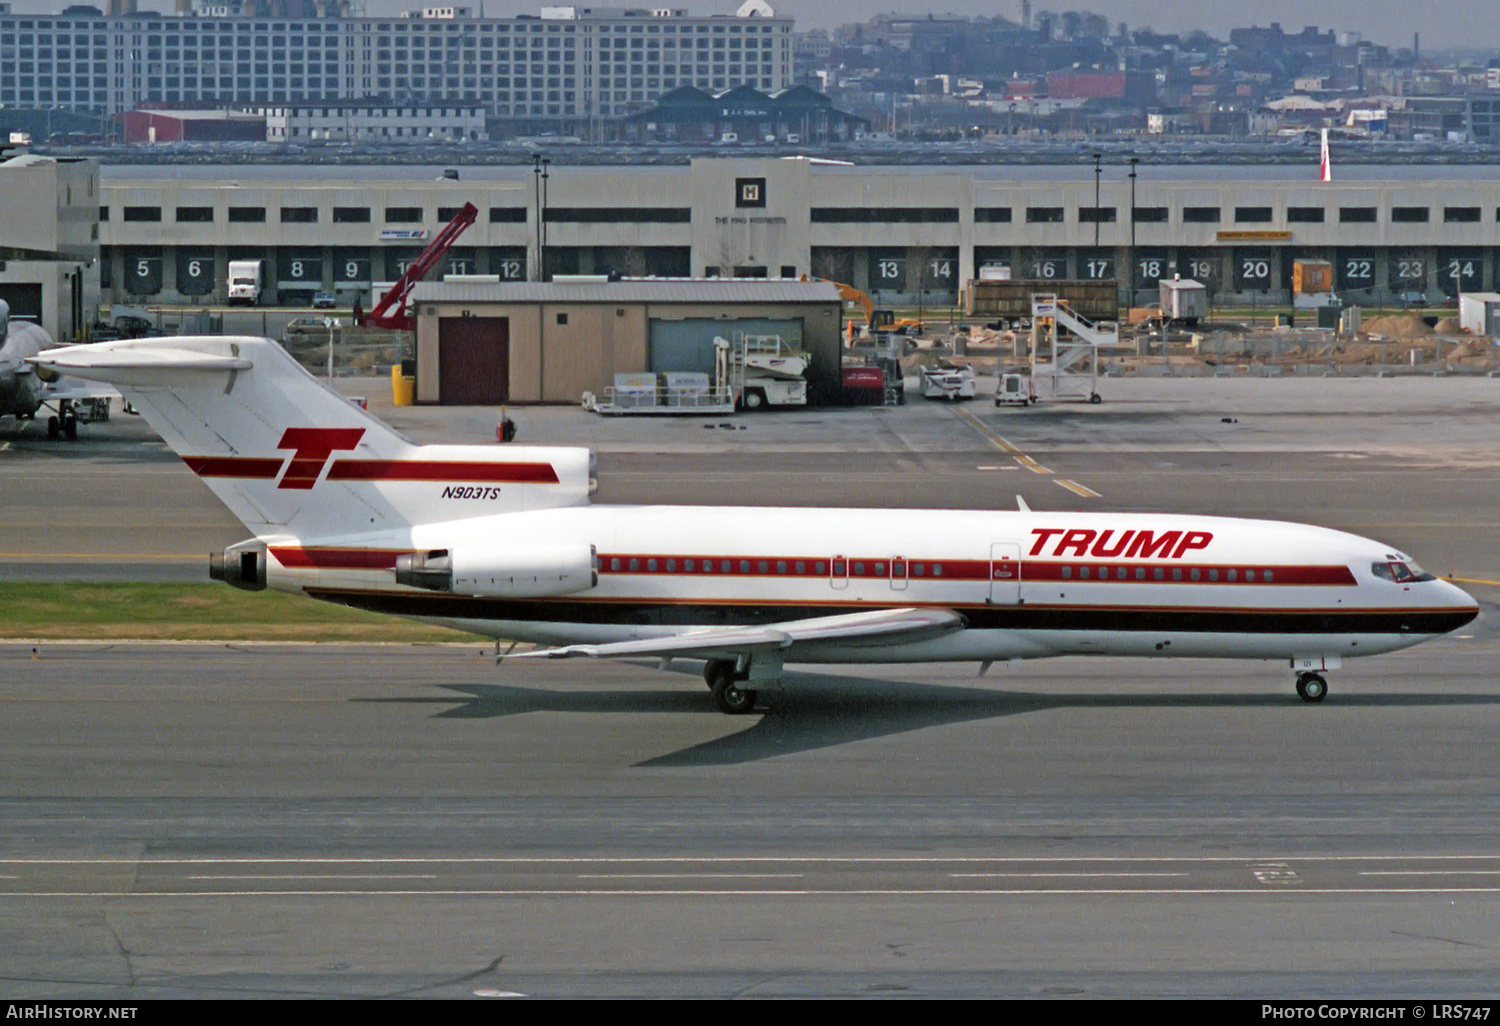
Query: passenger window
744, 566
1250, 576
614, 564
724, 566
1140, 573
801, 567
688, 566
1158, 574
898, 568
635, 564
1194, 573
1231, 575
651, 566
781, 566
818, 567
1213, 575
1120, 574
838, 567
1265, 575
937, 569
671, 565
880, 569
763, 566
859, 569
1067, 573
1177, 573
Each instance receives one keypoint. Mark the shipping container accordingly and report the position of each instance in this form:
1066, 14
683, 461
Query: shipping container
1011, 300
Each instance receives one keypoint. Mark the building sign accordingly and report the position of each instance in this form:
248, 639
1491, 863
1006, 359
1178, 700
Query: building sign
750, 192
402, 234
1237, 236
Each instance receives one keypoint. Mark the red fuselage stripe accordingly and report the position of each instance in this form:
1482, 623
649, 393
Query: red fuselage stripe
304, 473
952, 570
234, 466
430, 470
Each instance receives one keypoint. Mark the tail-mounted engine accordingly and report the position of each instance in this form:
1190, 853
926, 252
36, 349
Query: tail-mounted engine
531, 571
242, 565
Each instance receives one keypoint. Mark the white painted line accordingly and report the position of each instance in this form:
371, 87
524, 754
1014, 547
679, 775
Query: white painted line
1429, 872
1032, 876
798, 892
317, 876
761, 859
491, 992
691, 876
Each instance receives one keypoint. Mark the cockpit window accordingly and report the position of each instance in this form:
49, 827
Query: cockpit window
1401, 573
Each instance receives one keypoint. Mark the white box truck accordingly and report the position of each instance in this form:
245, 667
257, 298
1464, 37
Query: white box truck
246, 279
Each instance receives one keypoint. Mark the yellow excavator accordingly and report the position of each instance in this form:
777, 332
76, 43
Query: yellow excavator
875, 320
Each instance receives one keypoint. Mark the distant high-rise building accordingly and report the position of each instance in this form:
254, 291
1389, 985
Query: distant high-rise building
565, 68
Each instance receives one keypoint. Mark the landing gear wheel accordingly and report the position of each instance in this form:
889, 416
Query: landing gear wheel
733, 699
1096, 399
715, 669
70, 427
1311, 687
54, 429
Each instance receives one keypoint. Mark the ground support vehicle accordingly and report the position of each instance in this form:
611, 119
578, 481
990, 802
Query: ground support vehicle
947, 381
761, 370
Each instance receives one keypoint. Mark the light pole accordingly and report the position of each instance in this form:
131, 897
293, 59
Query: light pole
1131, 256
536, 182
545, 162
1098, 170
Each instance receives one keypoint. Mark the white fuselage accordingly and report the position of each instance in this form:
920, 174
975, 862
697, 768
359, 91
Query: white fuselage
1029, 584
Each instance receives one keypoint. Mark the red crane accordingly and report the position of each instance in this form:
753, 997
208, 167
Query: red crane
390, 312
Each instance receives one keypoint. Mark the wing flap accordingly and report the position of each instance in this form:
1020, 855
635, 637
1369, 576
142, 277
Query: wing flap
874, 628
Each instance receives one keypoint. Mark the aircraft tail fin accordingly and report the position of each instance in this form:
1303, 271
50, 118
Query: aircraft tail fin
290, 456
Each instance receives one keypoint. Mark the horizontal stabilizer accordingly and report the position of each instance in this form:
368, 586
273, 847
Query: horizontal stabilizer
875, 628
106, 361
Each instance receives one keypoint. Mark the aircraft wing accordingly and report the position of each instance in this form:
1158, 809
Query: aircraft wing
875, 628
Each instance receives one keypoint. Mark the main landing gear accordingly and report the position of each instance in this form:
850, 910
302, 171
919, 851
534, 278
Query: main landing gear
725, 680
1311, 687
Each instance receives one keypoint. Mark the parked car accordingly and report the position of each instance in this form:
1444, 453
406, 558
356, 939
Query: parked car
324, 301
304, 330
130, 326
1410, 299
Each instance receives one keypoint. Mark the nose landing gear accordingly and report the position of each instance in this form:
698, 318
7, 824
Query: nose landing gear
1311, 687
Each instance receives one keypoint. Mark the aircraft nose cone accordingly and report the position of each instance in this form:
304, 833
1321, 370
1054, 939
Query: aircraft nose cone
1463, 605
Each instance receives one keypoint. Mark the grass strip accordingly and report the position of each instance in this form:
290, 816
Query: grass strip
193, 612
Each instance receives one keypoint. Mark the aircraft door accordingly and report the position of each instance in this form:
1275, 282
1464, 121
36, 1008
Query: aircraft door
838, 572
1005, 574
898, 573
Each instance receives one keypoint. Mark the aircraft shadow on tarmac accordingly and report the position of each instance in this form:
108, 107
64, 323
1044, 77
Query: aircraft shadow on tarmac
815, 711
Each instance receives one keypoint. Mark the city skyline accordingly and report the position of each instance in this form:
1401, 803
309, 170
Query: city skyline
1463, 24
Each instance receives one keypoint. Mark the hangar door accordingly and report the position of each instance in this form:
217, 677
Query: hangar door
24, 300
473, 361
688, 344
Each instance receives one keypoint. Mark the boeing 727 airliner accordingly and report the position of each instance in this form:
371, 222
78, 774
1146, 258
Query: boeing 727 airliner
504, 541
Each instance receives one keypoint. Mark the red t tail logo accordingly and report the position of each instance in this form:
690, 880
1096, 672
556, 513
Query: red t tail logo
311, 449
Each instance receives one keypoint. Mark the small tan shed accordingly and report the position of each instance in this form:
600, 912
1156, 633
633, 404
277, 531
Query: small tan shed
487, 343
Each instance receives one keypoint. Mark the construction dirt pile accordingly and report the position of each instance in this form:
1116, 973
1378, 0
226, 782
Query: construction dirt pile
1396, 326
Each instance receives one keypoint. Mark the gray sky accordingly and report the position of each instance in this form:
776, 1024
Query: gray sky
1473, 24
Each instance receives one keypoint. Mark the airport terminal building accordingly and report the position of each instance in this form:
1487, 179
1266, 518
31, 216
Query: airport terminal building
168, 232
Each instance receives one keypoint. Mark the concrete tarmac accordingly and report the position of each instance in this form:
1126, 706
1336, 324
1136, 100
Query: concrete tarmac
201, 820
210, 820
